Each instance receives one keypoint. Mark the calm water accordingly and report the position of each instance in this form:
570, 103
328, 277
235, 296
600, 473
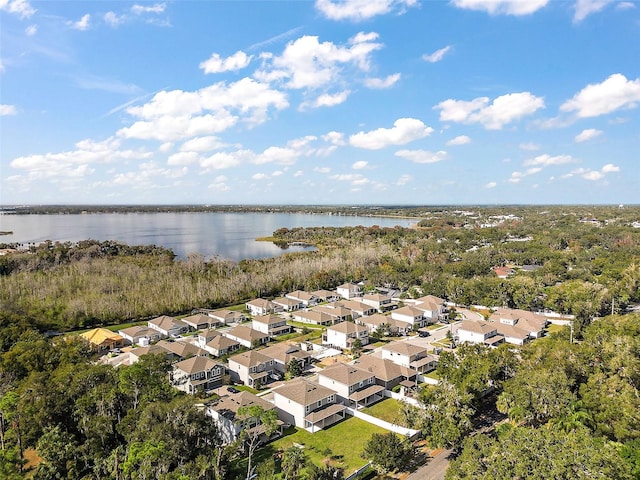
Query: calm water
227, 235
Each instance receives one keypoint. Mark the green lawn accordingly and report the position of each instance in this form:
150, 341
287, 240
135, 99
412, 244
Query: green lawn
310, 326
555, 328
387, 410
342, 443
432, 374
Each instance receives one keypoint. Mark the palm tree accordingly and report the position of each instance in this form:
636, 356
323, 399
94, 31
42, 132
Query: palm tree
293, 461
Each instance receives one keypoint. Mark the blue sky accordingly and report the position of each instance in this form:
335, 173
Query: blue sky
320, 102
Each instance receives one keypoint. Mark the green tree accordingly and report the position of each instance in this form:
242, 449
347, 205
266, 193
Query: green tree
325, 472
388, 452
146, 461
257, 424
294, 368
293, 461
59, 454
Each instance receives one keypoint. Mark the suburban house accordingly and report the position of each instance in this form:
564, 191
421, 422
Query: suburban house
409, 355
533, 323
227, 316
196, 374
272, 325
342, 335
349, 291
307, 299
103, 339
136, 353
168, 326
354, 385
260, 306
225, 414
221, 345
282, 353
326, 295
182, 350
409, 314
376, 321
387, 373
503, 272
139, 335
313, 317
336, 311
479, 332
307, 405
287, 304
433, 308
247, 336
206, 335
512, 333
251, 368
358, 309
198, 321
378, 301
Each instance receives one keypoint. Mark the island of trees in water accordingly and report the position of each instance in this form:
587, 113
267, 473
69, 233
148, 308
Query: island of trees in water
573, 407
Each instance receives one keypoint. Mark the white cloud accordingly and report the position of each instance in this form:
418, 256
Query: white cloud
593, 175
422, 156
82, 24
202, 144
298, 173
530, 146
587, 134
359, 165
547, 160
609, 167
176, 114
217, 64
157, 8
327, 100
353, 178
260, 176
437, 55
459, 140
219, 184
506, 7
491, 185
601, 98
381, 83
503, 110
404, 130
6, 110
306, 63
31, 30
517, 176
625, 5
584, 8
322, 169
113, 20
21, 8
335, 138
361, 9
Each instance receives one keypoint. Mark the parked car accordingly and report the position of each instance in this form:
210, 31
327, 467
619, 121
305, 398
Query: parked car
233, 389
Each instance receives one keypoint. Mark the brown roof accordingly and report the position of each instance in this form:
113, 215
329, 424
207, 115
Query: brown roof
195, 364
366, 392
404, 348
513, 331
247, 333
139, 331
260, 303
268, 319
383, 368
376, 297
325, 412
289, 302
347, 327
250, 358
315, 316
377, 319
227, 315
228, 405
182, 349
301, 295
221, 343
355, 305
324, 294
283, 352
303, 392
149, 350
477, 327
165, 322
409, 310
334, 310
346, 374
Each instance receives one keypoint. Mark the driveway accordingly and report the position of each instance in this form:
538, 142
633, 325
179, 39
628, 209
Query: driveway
435, 469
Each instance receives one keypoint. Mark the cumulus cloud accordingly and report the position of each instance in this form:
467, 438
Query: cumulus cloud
381, 83
358, 10
220, 184
584, 8
179, 115
493, 116
260, 176
490, 185
548, 160
113, 19
359, 165
202, 144
529, 146
587, 134
516, 177
437, 55
459, 140
31, 30
597, 99
422, 156
217, 64
353, 178
82, 24
157, 8
404, 179
324, 170
404, 130
327, 100
6, 110
21, 8
306, 63
505, 7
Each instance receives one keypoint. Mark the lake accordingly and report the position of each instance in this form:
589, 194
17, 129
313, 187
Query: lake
230, 236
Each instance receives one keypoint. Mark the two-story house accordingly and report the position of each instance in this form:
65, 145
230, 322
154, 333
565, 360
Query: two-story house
197, 374
247, 336
378, 301
409, 314
283, 352
387, 373
168, 326
343, 335
409, 355
227, 316
479, 332
287, 304
326, 295
358, 309
355, 386
272, 325
349, 290
307, 405
384, 323
336, 311
307, 299
197, 321
260, 306
220, 345
251, 368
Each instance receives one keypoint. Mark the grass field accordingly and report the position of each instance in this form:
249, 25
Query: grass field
388, 410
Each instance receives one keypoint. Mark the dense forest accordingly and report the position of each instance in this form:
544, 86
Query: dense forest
572, 408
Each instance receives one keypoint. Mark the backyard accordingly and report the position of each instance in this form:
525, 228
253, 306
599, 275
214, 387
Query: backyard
387, 410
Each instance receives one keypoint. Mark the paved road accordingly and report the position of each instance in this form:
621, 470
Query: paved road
435, 469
